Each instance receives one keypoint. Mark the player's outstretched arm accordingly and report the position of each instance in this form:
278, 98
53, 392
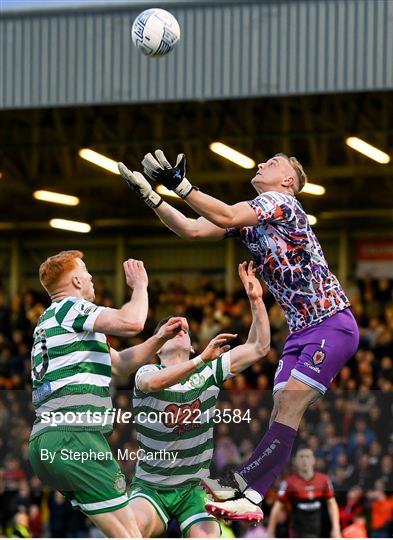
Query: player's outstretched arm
221, 214
190, 229
131, 359
164, 378
171, 217
130, 319
258, 343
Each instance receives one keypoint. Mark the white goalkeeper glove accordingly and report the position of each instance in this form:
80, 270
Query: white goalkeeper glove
160, 170
138, 183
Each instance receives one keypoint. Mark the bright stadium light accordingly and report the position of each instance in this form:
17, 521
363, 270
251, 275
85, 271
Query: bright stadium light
313, 189
232, 155
99, 160
367, 149
312, 219
57, 198
162, 190
67, 225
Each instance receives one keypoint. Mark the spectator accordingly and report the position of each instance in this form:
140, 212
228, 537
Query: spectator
386, 473
19, 527
352, 507
381, 512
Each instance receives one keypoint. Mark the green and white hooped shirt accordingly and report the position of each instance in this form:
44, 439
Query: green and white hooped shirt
71, 369
175, 426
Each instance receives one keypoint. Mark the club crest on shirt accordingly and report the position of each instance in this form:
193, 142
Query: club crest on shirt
196, 380
120, 483
318, 357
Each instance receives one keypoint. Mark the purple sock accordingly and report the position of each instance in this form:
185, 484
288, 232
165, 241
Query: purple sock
269, 458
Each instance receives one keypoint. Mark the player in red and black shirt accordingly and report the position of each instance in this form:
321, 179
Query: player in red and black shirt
303, 494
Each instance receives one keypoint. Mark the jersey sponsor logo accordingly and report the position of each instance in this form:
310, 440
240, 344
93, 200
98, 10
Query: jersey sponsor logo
318, 357
183, 417
84, 308
309, 506
120, 482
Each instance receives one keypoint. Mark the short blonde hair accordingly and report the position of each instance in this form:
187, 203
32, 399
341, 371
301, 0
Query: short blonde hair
298, 168
54, 267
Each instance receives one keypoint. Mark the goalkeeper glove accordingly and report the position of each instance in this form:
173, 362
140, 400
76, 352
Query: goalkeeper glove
138, 183
160, 170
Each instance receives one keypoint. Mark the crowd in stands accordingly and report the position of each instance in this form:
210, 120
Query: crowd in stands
350, 430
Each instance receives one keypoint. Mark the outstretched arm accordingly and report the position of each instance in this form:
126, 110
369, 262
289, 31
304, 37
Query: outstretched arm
222, 215
170, 216
258, 343
164, 378
191, 229
131, 359
130, 319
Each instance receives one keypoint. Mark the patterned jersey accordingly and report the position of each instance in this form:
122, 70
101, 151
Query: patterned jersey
304, 499
71, 369
289, 258
184, 431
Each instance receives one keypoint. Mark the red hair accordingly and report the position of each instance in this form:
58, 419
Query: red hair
55, 267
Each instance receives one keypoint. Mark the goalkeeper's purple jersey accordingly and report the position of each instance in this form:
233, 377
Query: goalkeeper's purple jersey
290, 259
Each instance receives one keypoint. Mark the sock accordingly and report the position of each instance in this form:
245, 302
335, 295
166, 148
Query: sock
269, 458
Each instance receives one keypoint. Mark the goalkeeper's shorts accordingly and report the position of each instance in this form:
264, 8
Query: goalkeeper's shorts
185, 504
80, 465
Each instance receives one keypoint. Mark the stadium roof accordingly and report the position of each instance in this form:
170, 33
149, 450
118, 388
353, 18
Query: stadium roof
40, 5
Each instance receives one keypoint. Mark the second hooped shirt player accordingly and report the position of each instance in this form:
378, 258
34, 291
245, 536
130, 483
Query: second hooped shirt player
183, 402
323, 332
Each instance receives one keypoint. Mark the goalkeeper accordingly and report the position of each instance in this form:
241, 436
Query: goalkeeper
323, 331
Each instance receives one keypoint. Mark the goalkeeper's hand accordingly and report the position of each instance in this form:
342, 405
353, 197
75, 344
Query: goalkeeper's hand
160, 170
138, 183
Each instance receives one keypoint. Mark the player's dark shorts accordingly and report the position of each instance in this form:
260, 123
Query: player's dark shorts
94, 485
316, 355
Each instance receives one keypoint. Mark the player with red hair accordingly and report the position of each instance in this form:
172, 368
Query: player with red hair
72, 365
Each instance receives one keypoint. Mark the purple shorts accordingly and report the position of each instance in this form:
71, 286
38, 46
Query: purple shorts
315, 355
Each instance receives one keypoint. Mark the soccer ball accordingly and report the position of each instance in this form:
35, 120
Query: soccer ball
155, 32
